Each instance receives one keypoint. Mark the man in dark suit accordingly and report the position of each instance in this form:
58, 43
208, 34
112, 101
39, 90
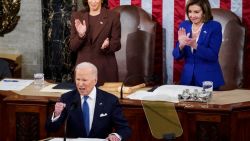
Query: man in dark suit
91, 112
4, 69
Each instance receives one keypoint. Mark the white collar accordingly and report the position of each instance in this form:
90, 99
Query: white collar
92, 94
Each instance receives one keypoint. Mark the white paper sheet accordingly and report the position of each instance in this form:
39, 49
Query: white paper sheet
140, 94
8, 84
78, 139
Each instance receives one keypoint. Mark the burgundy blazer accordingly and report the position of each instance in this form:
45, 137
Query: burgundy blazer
109, 26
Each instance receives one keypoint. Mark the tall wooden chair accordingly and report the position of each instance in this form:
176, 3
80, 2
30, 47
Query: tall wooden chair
232, 48
136, 57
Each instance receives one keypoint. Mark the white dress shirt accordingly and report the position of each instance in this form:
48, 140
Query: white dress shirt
91, 102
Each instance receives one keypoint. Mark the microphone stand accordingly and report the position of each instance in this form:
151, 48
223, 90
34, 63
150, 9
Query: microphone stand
169, 137
72, 107
121, 92
65, 128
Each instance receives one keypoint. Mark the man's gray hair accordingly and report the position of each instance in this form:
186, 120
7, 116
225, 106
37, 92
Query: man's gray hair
85, 65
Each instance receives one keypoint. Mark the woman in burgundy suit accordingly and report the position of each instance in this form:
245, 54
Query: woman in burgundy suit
95, 36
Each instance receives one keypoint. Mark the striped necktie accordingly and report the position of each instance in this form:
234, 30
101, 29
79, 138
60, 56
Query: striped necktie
85, 109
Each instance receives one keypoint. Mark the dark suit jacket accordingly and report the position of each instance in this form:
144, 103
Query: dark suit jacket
102, 126
4, 69
203, 63
108, 26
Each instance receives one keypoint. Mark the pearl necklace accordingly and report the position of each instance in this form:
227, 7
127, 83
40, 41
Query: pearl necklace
198, 30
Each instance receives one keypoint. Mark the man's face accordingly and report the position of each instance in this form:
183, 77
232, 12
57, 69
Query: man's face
85, 81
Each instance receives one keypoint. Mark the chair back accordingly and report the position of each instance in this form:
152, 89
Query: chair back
232, 48
136, 57
12, 66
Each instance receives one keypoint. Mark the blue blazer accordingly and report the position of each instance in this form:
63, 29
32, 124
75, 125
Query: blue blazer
101, 126
203, 63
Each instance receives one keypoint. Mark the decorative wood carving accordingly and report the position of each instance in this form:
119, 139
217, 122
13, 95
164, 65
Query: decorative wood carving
27, 126
8, 15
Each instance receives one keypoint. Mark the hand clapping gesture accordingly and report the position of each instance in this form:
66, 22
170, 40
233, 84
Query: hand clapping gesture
193, 41
105, 44
183, 38
80, 27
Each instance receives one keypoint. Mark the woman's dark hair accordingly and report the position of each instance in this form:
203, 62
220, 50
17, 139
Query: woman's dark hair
205, 6
86, 6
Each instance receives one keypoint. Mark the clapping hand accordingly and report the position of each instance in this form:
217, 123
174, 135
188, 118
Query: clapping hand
183, 38
105, 44
193, 41
80, 27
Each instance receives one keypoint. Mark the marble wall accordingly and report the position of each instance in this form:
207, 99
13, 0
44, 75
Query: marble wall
27, 38
42, 38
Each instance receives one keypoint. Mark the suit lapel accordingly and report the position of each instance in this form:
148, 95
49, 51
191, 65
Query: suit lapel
189, 30
86, 18
203, 33
101, 23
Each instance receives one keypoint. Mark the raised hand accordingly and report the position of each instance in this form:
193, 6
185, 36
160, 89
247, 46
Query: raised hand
80, 27
183, 37
112, 137
59, 106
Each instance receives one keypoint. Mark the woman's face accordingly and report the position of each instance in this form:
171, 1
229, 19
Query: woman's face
195, 14
95, 5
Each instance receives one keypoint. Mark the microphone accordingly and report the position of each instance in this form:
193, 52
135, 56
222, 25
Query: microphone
126, 89
73, 106
146, 80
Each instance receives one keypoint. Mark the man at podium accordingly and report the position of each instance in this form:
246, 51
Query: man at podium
88, 111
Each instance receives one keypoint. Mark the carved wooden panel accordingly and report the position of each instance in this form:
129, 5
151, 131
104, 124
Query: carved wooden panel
207, 131
241, 126
27, 126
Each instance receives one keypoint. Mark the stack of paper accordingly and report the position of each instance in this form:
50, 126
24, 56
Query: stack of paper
162, 93
14, 84
78, 139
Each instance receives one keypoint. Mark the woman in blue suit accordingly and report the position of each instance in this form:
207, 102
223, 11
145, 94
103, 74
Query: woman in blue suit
199, 41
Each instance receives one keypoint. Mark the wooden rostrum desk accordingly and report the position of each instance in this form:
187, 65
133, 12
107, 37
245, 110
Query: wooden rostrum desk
23, 117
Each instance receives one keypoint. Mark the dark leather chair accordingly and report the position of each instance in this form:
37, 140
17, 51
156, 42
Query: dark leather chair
9, 71
232, 48
136, 57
